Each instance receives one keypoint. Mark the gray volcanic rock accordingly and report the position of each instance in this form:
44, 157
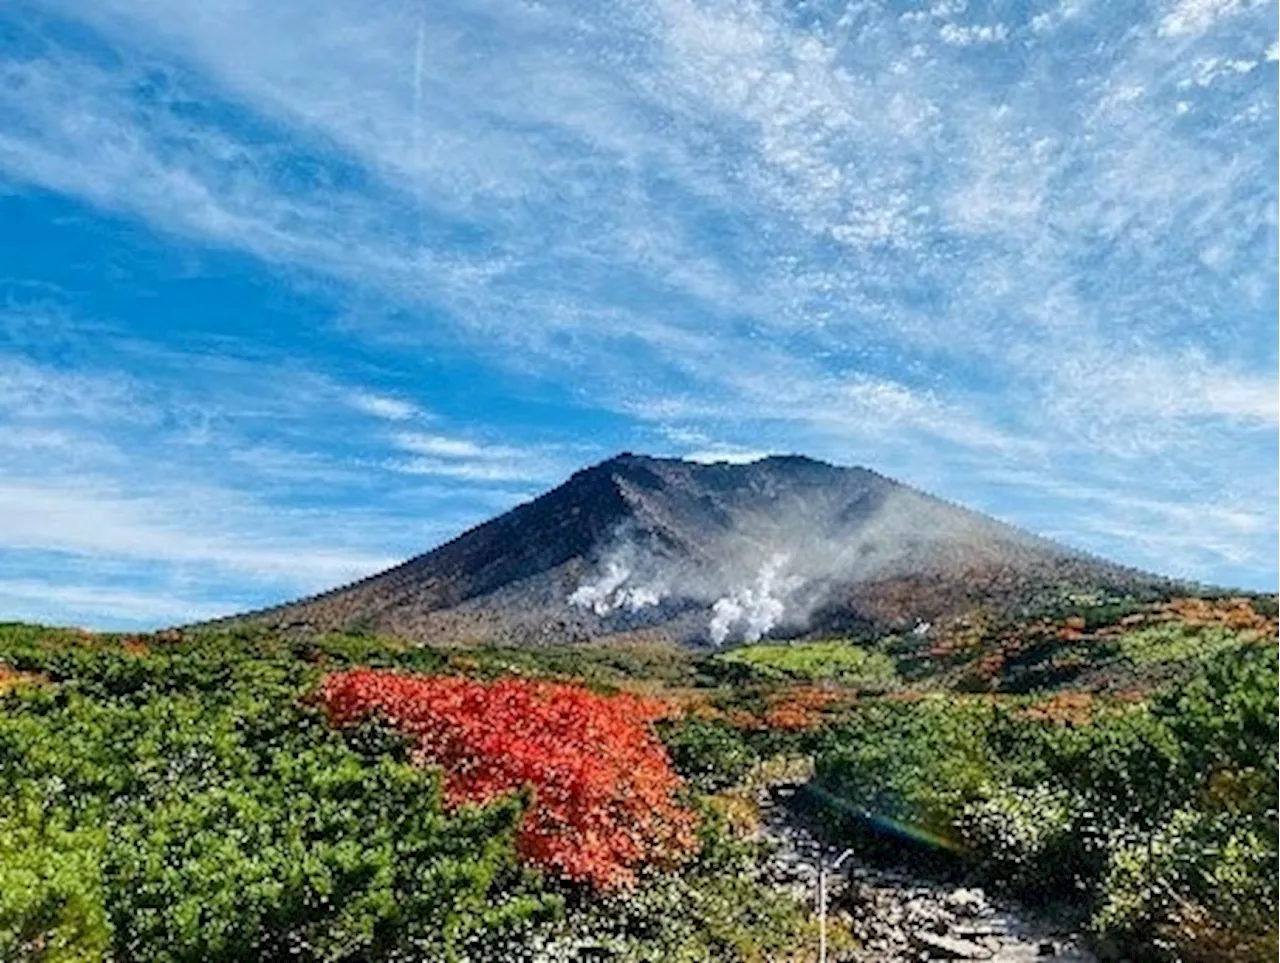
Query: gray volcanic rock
653, 548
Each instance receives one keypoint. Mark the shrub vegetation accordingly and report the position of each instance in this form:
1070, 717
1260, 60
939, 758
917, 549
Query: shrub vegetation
1160, 817
839, 662
190, 799
603, 787
241, 795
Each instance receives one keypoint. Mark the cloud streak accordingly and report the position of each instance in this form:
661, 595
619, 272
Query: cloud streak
954, 243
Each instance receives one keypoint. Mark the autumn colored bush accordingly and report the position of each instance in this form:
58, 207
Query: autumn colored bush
1066, 708
604, 789
798, 709
9, 679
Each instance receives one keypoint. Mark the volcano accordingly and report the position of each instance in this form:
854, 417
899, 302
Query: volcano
663, 549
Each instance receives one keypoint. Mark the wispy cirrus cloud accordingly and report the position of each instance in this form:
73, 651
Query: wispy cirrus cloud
955, 242
99, 475
1190, 17
49, 601
463, 458
91, 519
382, 406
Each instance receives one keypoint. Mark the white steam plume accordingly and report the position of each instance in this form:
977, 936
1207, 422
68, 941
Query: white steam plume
754, 609
775, 563
609, 592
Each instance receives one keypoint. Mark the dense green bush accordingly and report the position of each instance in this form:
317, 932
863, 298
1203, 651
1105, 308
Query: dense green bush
1177, 642
1154, 815
193, 808
182, 800
51, 899
838, 662
913, 763
714, 911
710, 753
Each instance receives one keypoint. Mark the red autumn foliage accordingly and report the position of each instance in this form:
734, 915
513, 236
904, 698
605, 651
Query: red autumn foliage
603, 784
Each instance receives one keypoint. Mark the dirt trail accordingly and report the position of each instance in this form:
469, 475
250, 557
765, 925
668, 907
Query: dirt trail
897, 915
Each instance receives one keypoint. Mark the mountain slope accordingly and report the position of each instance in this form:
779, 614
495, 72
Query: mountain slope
662, 548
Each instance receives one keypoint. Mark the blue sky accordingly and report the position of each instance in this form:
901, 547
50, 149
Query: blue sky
292, 290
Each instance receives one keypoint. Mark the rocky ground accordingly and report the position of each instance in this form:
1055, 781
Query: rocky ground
896, 915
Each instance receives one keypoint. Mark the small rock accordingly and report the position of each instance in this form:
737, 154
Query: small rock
979, 931
967, 902
949, 948
1047, 948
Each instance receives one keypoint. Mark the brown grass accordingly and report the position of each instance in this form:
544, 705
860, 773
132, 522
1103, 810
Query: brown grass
11, 679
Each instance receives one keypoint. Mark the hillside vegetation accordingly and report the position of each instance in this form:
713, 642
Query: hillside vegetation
242, 794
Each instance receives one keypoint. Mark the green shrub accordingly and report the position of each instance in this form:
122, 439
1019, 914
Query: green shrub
1197, 876
815, 662
180, 800
1028, 839
1161, 819
714, 911
709, 753
915, 764
195, 808
1226, 718
52, 907
1179, 642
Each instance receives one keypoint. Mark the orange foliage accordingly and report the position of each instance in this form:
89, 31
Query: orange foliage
1231, 613
12, 678
906, 695
798, 710
742, 719
604, 788
1236, 613
1066, 708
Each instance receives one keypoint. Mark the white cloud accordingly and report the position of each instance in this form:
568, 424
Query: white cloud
845, 233
731, 456
968, 36
187, 528
1153, 405
1189, 17
55, 601
1185, 537
462, 458
385, 407
38, 393
475, 471
446, 447
102, 472
1064, 12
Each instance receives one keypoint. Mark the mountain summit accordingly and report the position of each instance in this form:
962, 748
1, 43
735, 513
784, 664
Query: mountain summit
668, 549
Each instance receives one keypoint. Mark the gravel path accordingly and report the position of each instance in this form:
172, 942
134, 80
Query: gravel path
896, 915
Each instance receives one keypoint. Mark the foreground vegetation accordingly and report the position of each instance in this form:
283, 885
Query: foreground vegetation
1156, 819
188, 799
195, 797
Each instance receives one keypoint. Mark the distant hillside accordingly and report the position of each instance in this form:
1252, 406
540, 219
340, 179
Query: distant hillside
652, 548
